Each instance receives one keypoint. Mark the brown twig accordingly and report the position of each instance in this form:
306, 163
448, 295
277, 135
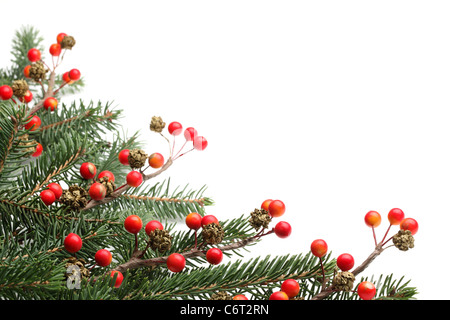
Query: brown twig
145, 198
135, 262
48, 93
329, 290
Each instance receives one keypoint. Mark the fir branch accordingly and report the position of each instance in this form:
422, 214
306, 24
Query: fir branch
58, 170
9, 143
158, 199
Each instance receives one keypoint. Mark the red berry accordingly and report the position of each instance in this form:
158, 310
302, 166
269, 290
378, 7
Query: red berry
74, 74
214, 256
48, 197
6, 92
134, 179
265, 204
38, 151
283, 229
34, 55
366, 290
103, 257
194, 220
395, 216
175, 128
410, 224
372, 219
55, 49
26, 71
345, 261
27, 97
60, 37
107, 174
279, 295
156, 160
50, 103
319, 248
56, 188
200, 143
240, 297
276, 208
123, 157
33, 124
152, 225
66, 78
133, 224
290, 287
176, 262
119, 278
73, 243
88, 170
209, 219
97, 191
190, 133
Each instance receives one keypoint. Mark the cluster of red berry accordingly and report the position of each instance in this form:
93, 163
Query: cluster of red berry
396, 217
103, 257
50, 103
366, 289
195, 221
190, 134
277, 208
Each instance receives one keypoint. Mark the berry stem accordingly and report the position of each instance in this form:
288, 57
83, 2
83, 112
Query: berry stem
195, 235
180, 150
170, 149
374, 236
390, 225
183, 154
60, 87
383, 243
135, 242
323, 273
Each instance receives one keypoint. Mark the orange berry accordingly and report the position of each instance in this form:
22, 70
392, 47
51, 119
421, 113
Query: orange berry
156, 160
372, 219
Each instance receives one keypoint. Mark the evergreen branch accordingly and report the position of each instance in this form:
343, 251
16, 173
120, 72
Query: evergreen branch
108, 116
146, 198
26, 38
10, 142
58, 170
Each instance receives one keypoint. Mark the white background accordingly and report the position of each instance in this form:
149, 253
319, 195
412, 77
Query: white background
334, 107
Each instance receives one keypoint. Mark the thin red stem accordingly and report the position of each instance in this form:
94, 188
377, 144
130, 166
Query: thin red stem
195, 239
387, 231
183, 154
323, 273
387, 241
135, 242
180, 149
374, 236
